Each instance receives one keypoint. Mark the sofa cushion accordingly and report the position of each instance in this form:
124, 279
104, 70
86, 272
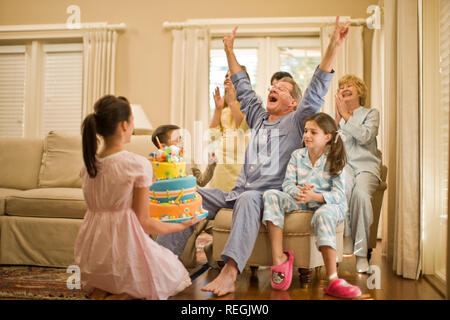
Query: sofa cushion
296, 222
47, 203
4, 193
61, 161
20, 161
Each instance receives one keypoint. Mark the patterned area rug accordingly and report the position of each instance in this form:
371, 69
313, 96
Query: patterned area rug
44, 283
41, 283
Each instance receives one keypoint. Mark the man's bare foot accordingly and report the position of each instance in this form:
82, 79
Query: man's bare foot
98, 294
122, 296
224, 283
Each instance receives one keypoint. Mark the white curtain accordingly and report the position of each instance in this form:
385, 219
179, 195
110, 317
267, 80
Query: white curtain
349, 60
189, 92
401, 123
99, 66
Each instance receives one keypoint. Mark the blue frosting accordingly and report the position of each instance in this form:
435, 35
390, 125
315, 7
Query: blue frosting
185, 183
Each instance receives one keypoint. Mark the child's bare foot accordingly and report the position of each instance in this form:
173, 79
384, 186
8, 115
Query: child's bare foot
122, 296
98, 294
224, 283
280, 260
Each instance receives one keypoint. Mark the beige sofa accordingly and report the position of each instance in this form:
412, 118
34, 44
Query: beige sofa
41, 200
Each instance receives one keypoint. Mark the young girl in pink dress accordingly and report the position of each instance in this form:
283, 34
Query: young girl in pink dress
116, 256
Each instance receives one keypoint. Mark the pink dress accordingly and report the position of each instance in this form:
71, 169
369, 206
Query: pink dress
112, 250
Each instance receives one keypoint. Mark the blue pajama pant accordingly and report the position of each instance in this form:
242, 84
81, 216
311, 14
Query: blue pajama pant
246, 221
324, 221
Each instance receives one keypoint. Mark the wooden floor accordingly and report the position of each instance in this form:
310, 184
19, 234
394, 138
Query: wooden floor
257, 286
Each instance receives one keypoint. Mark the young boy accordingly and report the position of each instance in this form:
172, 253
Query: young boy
169, 135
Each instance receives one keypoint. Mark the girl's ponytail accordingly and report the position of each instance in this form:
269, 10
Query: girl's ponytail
337, 157
90, 143
109, 111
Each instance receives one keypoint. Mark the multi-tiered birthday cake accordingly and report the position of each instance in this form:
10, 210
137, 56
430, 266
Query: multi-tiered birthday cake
173, 196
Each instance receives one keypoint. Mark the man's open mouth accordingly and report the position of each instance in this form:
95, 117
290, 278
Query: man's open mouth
273, 99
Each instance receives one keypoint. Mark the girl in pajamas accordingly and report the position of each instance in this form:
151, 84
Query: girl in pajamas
314, 181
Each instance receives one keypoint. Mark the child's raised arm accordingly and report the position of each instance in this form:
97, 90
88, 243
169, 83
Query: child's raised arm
153, 226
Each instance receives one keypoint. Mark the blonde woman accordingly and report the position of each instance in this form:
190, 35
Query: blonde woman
358, 126
228, 124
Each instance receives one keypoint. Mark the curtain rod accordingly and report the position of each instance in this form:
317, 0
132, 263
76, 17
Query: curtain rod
62, 27
258, 21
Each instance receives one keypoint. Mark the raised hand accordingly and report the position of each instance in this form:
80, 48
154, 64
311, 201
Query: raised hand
218, 100
339, 104
341, 107
337, 38
340, 32
228, 40
212, 158
230, 91
337, 114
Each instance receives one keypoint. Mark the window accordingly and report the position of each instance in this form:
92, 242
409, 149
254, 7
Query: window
61, 109
435, 138
12, 90
444, 71
40, 88
264, 56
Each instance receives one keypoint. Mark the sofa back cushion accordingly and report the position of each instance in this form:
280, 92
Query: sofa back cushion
142, 145
20, 160
61, 161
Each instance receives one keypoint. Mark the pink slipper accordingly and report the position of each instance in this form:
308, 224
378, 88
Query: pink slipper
282, 274
342, 289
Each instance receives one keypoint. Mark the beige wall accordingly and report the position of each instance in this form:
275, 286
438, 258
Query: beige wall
144, 49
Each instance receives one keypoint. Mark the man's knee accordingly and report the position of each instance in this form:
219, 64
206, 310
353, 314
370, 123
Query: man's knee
251, 196
249, 204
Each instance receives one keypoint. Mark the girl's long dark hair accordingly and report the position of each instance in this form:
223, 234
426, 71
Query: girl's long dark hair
109, 111
337, 157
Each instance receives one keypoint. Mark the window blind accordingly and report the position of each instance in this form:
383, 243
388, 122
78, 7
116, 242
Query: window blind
63, 76
12, 90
